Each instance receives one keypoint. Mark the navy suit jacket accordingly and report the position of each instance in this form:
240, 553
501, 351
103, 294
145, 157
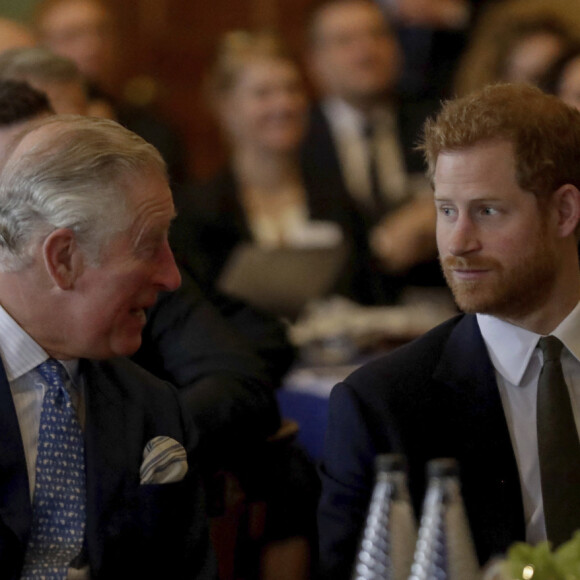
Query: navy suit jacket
132, 530
435, 397
228, 390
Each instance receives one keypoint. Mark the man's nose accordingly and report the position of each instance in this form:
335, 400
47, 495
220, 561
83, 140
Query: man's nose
168, 273
463, 237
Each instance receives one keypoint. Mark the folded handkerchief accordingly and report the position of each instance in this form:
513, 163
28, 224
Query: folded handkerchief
164, 461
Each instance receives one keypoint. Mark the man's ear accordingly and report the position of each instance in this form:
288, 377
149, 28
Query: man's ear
566, 203
63, 258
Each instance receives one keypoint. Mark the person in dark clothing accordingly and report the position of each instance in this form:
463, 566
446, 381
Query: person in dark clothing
86, 211
358, 141
228, 388
227, 359
507, 192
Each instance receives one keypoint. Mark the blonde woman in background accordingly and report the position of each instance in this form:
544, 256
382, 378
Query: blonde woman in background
258, 95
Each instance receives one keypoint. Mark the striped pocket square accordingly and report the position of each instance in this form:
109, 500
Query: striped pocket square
164, 461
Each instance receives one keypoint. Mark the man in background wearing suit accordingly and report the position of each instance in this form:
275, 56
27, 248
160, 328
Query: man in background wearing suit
86, 208
505, 164
359, 143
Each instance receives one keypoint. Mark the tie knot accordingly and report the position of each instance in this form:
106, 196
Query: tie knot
52, 372
551, 347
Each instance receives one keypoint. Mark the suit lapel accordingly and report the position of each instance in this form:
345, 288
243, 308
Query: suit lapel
465, 368
108, 456
15, 508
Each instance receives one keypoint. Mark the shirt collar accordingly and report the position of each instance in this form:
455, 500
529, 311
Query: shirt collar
21, 353
568, 331
511, 347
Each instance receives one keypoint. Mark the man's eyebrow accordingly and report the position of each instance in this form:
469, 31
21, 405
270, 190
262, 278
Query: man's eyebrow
471, 200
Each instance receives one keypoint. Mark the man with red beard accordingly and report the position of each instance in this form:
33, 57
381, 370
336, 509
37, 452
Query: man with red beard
505, 166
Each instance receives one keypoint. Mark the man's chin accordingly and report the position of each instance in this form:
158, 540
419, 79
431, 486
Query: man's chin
470, 306
495, 305
471, 299
126, 346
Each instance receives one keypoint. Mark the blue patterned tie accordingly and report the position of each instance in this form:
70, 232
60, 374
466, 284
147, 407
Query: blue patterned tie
58, 516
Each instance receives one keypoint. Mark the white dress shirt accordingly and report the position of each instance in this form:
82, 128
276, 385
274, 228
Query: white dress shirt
518, 360
347, 129
21, 355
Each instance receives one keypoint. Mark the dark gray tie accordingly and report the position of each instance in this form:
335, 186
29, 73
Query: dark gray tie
558, 447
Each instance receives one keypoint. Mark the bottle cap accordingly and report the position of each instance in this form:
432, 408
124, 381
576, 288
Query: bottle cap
390, 462
443, 467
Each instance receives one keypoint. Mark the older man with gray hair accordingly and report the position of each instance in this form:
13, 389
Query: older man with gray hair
97, 456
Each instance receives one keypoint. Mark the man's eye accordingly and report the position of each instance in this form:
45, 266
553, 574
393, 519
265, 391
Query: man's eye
149, 249
446, 211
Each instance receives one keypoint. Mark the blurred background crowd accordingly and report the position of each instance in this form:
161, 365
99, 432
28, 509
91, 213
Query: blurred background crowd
291, 124
158, 53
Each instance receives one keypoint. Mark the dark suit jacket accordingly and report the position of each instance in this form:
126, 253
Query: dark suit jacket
230, 393
226, 387
435, 397
319, 156
133, 530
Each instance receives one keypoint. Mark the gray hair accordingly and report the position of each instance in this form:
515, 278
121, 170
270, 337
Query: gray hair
75, 175
37, 64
